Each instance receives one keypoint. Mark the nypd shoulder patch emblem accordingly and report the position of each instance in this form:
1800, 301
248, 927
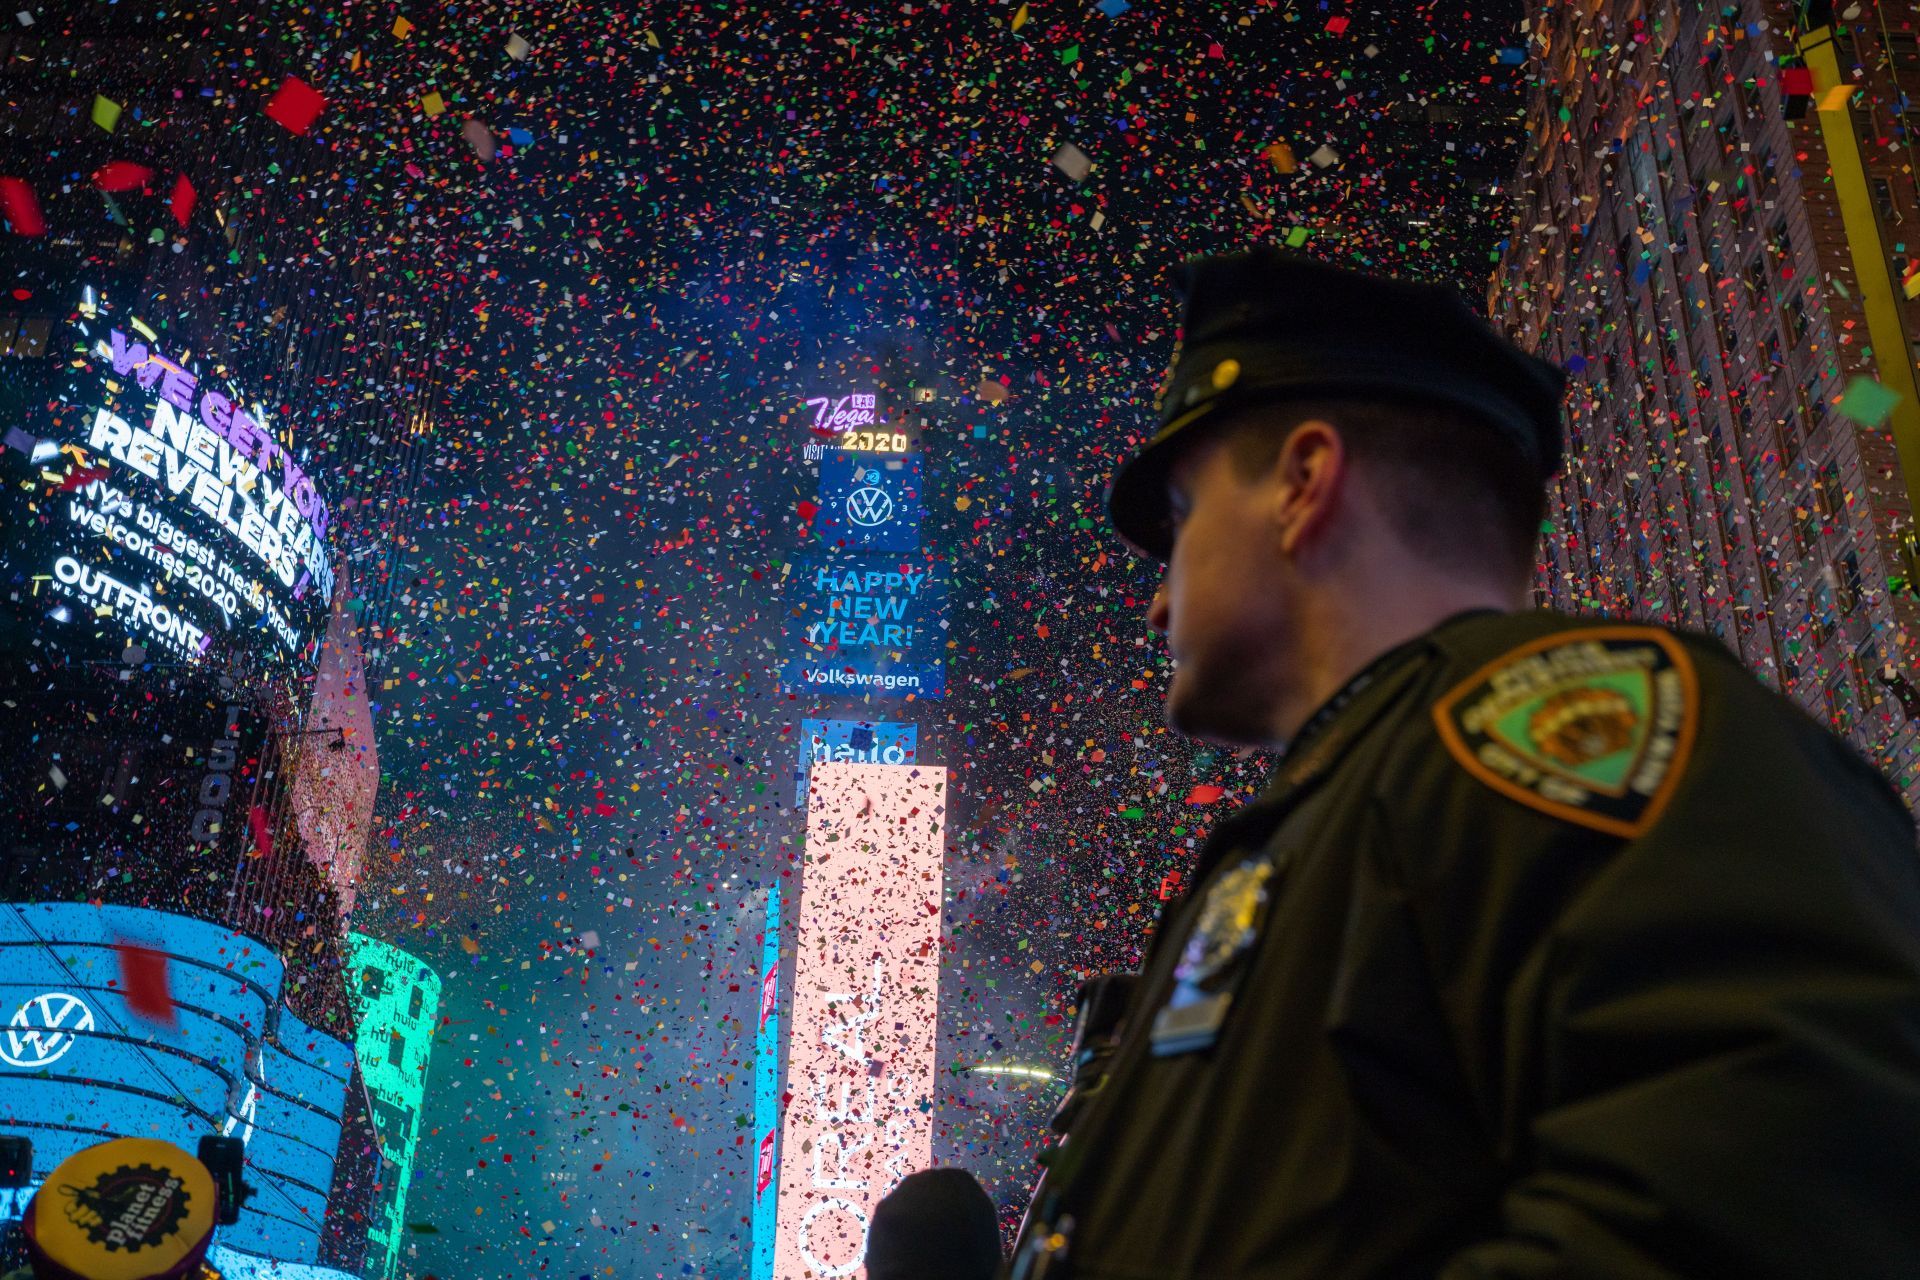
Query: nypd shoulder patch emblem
1593, 726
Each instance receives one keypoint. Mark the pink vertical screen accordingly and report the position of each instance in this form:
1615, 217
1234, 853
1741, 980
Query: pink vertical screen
860, 1056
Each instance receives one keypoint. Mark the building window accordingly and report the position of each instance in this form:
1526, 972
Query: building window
396, 1049
1903, 51
1759, 295
1793, 322
1821, 622
414, 1002
1806, 528
1780, 243
1786, 439
1841, 710
1850, 584
1827, 498
1863, 659
1883, 200
1812, 401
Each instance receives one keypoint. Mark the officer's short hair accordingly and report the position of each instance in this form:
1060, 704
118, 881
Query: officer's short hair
1458, 491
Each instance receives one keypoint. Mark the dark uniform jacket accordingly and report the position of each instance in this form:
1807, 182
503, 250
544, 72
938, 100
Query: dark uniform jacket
1555, 948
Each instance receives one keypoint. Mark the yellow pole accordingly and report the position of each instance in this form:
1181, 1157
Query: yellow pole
1880, 297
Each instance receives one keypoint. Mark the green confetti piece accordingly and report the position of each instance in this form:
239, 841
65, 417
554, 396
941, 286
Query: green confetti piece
106, 112
1867, 402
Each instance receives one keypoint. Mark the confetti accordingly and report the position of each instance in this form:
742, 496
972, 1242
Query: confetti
295, 105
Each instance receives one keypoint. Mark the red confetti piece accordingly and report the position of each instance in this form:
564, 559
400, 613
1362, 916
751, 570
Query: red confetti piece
122, 175
808, 510
296, 104
143, 978
1205, 793
22, 210
184, 198
262, 841
83, 477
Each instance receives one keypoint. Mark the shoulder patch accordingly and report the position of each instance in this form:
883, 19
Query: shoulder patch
1593, 726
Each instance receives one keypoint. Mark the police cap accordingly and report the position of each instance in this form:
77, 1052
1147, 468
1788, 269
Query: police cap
1271, 325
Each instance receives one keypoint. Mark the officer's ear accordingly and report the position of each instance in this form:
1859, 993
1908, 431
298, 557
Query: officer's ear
1308, 483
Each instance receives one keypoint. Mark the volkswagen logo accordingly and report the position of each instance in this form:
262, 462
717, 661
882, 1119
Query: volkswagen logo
43, 1029
868, 506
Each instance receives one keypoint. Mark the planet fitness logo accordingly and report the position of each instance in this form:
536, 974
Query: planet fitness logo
130, 1208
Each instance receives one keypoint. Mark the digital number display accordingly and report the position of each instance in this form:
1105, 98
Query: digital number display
875, 441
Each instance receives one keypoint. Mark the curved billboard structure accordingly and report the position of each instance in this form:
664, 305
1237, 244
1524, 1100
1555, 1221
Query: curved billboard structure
163, 509
89, 1051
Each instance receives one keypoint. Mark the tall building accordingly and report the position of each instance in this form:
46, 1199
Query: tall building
1712, 236
212, 424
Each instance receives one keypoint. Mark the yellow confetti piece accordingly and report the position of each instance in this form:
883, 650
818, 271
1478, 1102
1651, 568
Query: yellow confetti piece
401, 28
1020, 18
106, 112
433, 103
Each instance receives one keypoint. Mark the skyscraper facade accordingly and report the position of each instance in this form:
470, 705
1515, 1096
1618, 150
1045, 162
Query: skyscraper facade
1717, 234
214, 415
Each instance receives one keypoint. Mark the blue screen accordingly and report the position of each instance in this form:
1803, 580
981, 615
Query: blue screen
870, 502
866, 625
854, 741
78, 1065
766, 1084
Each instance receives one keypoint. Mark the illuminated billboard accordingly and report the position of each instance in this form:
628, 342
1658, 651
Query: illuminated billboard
158, 506
869, 503
851, 422
766, 1092
82, 1059
860, 1056
853, 742
396, 999
873, 624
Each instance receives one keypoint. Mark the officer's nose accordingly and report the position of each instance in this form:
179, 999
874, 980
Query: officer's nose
1158, 610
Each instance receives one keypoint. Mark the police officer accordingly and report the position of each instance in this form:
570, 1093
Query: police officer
1556, 947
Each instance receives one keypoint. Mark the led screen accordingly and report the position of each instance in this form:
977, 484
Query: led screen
766, 1091
867, 625
853, 742
154, 503
869, 502
397, 998
860, 1055
78, 1064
